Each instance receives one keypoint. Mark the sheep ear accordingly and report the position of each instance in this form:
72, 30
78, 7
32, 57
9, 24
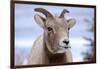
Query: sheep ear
71, 23
40, 20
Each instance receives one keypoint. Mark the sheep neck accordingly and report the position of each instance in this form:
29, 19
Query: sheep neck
54, 58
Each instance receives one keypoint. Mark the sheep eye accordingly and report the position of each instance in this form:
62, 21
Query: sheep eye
68, 28
49, 28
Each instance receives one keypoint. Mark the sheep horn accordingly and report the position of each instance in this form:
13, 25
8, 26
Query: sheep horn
63, 12
44, 11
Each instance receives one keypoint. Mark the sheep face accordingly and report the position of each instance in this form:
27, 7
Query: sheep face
56, 31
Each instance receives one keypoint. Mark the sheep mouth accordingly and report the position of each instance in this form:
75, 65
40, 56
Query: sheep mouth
65, 47
62, 49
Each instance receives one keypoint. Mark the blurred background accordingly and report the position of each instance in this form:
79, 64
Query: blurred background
81, 35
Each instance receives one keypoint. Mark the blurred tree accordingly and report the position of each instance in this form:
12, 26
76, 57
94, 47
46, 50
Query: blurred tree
90, 54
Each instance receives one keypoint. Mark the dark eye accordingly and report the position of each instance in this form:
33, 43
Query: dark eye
49, 28
68, 28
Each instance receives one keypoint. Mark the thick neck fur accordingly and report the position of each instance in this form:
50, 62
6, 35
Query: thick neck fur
54, 58
41, 55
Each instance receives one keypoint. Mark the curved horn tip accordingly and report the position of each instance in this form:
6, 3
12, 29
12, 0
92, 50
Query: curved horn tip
44, 11
37, 9
63, 12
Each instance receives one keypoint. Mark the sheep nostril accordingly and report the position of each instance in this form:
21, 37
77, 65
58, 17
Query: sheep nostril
66, 42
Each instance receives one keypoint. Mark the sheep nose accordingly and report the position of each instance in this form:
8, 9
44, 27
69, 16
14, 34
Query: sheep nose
66, 42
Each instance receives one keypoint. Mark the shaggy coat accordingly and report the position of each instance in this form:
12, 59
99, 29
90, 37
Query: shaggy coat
53, 46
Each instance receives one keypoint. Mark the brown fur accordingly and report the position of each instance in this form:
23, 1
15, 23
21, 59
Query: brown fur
39, 55
50, 48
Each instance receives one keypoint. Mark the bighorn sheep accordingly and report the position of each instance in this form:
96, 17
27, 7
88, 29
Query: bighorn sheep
53, 46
